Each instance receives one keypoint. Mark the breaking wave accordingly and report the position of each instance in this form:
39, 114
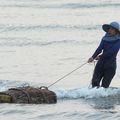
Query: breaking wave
6, 84
83, 92
86, 93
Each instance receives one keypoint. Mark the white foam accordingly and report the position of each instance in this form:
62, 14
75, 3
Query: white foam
6, 84
86, 92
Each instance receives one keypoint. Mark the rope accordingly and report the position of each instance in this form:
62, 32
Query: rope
67, 74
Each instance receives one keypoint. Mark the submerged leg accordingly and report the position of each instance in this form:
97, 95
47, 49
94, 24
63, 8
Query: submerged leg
108, 76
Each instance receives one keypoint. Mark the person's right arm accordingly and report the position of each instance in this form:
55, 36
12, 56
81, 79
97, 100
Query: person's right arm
97, 52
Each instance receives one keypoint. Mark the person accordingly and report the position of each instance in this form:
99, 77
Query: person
106, 53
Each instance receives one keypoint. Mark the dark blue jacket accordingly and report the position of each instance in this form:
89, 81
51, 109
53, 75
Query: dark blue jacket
109, 51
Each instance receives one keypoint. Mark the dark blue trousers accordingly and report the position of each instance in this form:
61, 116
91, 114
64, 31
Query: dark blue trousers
103, 74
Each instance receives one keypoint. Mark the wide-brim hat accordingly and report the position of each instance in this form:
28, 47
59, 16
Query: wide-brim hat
114, 25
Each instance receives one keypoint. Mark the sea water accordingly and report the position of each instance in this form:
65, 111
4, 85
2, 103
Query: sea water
43, 40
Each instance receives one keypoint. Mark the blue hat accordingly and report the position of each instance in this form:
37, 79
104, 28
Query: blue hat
114, 25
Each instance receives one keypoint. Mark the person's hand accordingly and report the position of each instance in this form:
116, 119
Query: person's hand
97, 58
90, 60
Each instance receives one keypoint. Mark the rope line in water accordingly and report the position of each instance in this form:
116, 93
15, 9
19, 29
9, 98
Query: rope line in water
67, 74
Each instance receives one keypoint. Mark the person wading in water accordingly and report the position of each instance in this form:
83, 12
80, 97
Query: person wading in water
106, 53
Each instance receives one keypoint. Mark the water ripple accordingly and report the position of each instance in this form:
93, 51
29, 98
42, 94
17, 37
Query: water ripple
60, 5
15, 28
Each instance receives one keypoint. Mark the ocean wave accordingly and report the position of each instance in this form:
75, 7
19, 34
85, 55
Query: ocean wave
79, 5
86, 93
21, 42
6, 84
83, 92
23, 28
54, 5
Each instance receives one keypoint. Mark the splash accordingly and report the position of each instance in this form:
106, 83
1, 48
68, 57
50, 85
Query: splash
6, 84
83, 92
86, 92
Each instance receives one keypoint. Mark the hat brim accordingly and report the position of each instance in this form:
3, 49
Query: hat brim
106, 28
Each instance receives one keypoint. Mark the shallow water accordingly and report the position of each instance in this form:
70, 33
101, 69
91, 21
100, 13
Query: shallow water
41, 41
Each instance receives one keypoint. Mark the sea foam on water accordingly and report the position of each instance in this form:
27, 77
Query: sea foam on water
86, 92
